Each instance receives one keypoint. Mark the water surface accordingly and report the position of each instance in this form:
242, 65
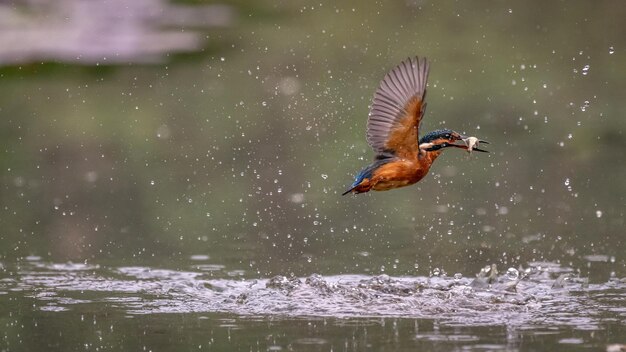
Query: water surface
544, 305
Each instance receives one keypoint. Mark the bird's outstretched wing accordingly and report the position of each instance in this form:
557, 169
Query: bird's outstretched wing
397, 109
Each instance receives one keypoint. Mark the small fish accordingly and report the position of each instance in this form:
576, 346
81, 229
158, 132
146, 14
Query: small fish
472, 143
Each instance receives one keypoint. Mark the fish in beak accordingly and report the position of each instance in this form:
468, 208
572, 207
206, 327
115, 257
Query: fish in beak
470, 144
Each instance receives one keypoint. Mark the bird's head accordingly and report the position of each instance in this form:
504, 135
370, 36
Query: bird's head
436, 141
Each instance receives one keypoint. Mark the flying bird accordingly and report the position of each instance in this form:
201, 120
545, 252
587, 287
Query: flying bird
402, 158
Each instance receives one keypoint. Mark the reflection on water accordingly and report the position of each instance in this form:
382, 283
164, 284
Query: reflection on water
103, 31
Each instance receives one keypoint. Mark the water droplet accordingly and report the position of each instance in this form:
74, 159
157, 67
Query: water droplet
324, 176
152, 182
512, 274
458, 276
436, 272
611, 50
585, 70
297, 198
566, 181
163, 132
584, 106
598, 213
264, 103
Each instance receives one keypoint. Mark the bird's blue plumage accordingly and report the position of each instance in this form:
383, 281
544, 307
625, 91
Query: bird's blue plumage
369, 170
431, 136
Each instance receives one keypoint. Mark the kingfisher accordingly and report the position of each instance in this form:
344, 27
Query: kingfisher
401, 157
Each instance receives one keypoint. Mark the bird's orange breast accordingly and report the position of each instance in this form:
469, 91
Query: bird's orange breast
398, 174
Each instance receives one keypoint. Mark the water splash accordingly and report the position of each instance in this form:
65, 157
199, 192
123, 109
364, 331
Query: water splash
543, 291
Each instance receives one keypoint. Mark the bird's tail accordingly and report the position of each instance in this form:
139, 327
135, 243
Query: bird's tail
348, 191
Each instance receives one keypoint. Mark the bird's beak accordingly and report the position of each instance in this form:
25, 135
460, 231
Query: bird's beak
480, 150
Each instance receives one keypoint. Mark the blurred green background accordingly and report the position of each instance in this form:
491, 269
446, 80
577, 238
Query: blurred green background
162, 135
